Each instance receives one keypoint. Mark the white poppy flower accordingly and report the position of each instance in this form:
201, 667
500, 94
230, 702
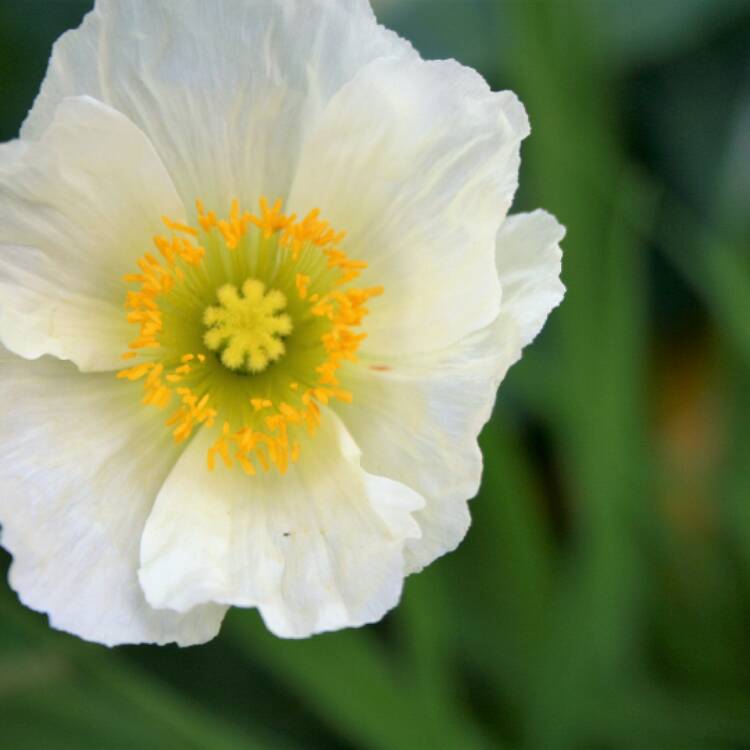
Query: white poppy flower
212, 396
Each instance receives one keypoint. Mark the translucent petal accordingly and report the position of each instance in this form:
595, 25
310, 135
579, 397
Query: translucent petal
78, 207
417, 418
529, 263
418, 162
317, 549
226, 90
81, 468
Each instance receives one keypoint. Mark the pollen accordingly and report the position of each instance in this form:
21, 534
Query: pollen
247, 328
225, 301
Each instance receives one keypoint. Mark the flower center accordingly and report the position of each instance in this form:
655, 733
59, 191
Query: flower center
246, 329
247, 321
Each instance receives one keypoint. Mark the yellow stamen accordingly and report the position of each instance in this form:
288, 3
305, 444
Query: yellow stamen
176, 226
271, 219
246, 329
302, 282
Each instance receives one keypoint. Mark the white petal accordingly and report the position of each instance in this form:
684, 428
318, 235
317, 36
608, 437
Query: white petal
82, 462
225, 90
319, 548
418, 162
529, 263
417, 420
78, 208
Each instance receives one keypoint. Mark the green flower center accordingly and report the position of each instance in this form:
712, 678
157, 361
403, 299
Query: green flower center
245, 322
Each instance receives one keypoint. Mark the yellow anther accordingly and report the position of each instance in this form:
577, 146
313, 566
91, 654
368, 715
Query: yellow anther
176, 226
247, 329
289, 412
294, 453
135, 373
302, 283
271, 219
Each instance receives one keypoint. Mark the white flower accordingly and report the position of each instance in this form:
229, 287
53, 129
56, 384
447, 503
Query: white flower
352, 458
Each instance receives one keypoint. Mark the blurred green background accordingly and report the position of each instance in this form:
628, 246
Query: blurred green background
602, 598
